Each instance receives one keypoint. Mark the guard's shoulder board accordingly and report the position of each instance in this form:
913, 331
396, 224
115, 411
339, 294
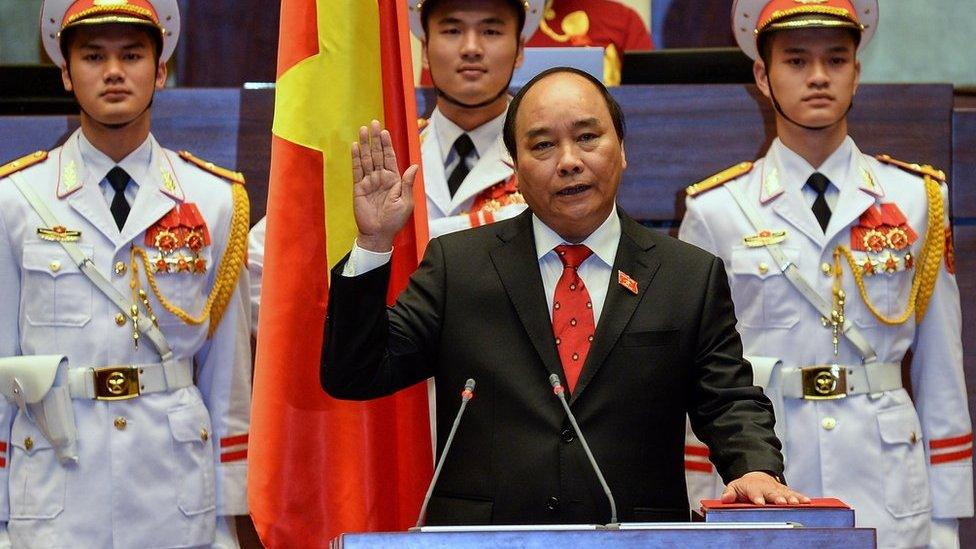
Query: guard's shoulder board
22, 163
230, 175
719, 179
422, 123
918, 169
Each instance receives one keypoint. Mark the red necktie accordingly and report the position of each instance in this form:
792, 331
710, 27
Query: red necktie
572, 313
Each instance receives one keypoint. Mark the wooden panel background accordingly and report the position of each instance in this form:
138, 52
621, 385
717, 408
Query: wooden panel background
676, 135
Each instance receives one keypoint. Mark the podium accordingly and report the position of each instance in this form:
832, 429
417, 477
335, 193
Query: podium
691, 536
825, 522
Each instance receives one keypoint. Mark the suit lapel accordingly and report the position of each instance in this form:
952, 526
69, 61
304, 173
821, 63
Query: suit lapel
518, 268
637, 259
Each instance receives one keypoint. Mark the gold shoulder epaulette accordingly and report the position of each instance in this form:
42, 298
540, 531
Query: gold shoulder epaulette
917, 169
22, 163
719, 179
230, 175
422, 123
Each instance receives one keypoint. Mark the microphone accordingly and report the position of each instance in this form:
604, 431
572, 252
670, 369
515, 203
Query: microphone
466, 395
557, 388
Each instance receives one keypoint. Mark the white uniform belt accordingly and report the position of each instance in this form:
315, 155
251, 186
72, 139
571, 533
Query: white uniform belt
121, 382
838, 381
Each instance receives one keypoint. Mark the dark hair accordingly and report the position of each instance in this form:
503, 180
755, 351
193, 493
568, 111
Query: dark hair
517, 5
154, 34
616, 115
764, 44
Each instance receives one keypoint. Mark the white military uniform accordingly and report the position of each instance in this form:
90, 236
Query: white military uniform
492, 168
154, 470
898, 464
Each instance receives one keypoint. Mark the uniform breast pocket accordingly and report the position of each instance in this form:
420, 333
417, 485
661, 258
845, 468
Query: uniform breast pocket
55, 292
763, 296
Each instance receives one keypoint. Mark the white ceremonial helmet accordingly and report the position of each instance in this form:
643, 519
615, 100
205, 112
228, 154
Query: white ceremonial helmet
750, 18
58, 15
533, 14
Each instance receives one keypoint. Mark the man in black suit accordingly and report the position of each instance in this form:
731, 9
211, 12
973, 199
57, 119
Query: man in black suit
639, 326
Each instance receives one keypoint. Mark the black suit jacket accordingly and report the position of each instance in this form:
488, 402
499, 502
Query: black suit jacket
475, 308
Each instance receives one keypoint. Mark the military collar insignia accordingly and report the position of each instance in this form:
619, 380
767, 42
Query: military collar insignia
58, 233
68, 181
868, 183
771, 186
169, 183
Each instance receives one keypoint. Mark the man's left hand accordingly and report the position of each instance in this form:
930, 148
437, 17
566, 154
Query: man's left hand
760, 488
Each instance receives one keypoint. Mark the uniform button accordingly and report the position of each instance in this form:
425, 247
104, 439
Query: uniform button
55, 266
567, 435
763, 268
204, 434
553, 504
119, 268
29, 444
120, 423
120, 319
825, 269
828, 423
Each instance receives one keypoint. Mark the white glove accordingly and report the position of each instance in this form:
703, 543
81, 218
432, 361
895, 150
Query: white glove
944, 534
226, 537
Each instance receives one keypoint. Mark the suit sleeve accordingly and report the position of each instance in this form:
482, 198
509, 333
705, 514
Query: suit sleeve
733, 417
941, 401
371, 350
9, 346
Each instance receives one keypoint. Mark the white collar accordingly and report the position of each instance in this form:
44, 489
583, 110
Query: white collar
603, 241
796, 170
484, 136
136, 163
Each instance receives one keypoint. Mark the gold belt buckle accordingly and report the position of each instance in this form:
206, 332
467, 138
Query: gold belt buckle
824, 382
116, 382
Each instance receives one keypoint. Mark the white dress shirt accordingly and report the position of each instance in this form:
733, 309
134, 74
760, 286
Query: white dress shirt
483, 137
136, 164
796, 171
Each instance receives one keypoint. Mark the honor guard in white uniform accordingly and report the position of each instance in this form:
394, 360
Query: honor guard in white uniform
471, 54
124, 325
841, 264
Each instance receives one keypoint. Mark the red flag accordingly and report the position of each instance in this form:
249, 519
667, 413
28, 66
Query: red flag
318, 466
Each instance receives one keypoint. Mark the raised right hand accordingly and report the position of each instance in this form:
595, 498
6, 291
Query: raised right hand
382, 199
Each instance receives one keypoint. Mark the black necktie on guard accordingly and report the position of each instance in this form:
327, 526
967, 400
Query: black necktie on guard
464, 147
819, 183
120, 206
